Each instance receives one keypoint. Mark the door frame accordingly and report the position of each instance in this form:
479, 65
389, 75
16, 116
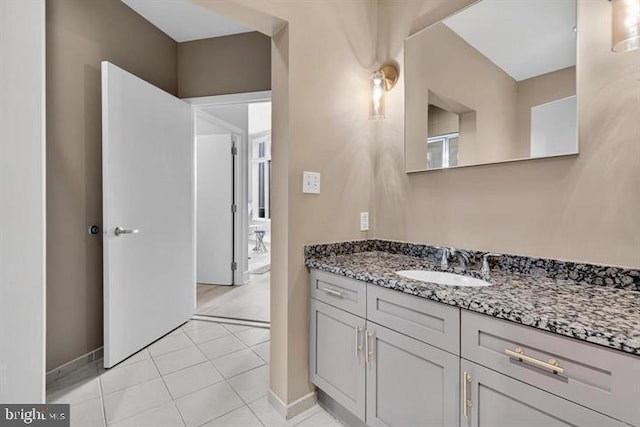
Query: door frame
241, 191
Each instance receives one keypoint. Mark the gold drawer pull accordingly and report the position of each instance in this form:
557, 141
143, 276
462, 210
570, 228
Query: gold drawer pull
552, 364
333, 292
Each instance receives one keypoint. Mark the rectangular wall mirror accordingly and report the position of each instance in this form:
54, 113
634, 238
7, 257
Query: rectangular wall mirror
494, 82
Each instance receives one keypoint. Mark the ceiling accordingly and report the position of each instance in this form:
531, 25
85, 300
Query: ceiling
185, 21
525, 38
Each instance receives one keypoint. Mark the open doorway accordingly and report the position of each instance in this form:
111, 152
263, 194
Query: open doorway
233, 234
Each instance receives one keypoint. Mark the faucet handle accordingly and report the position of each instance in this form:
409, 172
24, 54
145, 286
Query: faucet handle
444, 261
486, 270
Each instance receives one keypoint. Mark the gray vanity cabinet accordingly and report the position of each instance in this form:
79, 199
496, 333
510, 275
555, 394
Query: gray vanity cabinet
409, 383
385, 377
336, 358
496, 400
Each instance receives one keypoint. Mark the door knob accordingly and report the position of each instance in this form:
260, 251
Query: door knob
119, 230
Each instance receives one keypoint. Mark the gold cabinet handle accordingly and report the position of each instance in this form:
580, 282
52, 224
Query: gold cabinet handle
368, 351
552, 364
466, 379
358, 346
333, 292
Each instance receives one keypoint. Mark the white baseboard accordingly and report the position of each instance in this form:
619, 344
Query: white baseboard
74, 365
294, 408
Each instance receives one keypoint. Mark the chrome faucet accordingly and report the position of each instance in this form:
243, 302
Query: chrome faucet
485, 271
463, 257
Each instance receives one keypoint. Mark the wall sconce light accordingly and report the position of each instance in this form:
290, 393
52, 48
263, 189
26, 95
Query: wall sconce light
625, 25
381, 81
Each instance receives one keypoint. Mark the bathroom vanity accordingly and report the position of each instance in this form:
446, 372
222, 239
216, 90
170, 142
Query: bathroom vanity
541, 346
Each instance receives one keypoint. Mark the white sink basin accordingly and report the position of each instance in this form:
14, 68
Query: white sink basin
442, 278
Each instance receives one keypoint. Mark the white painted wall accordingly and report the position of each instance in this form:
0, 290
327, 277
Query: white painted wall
554, 128
22, 201
259, 117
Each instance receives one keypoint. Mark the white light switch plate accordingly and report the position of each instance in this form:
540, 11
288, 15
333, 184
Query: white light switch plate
364, 221
311, 182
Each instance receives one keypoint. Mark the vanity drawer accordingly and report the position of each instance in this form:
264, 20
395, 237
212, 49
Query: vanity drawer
338, 291
604, 380
427, 321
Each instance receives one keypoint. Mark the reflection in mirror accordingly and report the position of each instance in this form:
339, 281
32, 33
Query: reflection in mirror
495, 82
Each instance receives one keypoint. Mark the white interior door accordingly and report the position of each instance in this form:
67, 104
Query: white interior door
214, 197
148, 191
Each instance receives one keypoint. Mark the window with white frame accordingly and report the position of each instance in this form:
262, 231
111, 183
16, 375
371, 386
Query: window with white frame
261, 175
442, 151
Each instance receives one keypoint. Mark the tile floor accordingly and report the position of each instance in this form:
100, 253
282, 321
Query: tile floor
201, 374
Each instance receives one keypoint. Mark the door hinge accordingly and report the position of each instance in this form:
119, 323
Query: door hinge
234, 150
234, 208
234, 266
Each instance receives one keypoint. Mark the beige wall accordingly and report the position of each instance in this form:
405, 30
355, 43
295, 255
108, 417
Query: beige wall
441, 121
80, 34
222, 65
535, 91
581, 208
320, 82
441, 62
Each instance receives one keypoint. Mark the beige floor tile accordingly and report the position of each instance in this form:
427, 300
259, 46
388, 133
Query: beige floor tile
87, 414
169, 344
254, 336
208, 404
236, 363
241, 417
138, 357
216, 348
194, 325
235, 328
248, 302
125, 376
252, 384
191, 379
135, 400
74, 392
171, 362
165, 415
262, 350
320, 419
212, 332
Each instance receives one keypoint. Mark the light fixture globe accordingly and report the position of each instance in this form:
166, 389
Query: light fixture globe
625, 25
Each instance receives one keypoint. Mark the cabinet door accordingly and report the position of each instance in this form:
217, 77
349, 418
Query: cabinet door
409, 383
336, 359
500, 401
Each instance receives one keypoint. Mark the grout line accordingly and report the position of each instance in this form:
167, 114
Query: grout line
254, 412
104, 409
223, 380
169, 391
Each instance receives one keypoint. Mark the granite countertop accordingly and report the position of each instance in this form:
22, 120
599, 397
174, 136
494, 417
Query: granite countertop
598, 314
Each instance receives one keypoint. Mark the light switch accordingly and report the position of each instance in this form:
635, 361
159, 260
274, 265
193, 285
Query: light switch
364, 221
311, 182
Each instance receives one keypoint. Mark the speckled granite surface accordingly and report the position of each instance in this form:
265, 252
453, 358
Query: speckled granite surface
597, 313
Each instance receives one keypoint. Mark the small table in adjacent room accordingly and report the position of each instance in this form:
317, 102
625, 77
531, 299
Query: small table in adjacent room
260, 246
